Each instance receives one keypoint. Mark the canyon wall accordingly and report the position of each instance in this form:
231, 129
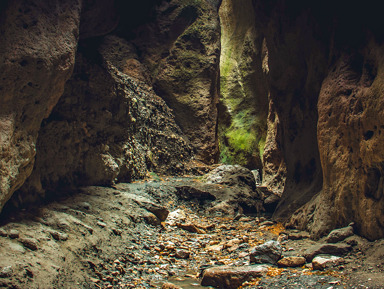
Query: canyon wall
98, 92
102, 91
325, 83
37, 56
320, 67
243, 86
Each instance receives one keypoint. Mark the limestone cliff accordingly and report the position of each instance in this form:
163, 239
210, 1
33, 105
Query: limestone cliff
104, 122
320, 65
325, 82
37, 55
243, 86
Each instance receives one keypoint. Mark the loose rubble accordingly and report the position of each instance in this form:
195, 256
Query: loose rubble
152, 234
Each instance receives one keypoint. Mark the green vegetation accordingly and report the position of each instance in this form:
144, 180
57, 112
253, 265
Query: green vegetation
242, 136
242, 141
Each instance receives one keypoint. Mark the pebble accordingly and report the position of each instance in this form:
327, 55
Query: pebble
59, 236
170, 286
101, 224
182, 254
6, 271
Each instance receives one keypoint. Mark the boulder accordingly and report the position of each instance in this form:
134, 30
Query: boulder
291, 262
338, 235
323, 262
231, 175
227, 277
339, 249
269, 252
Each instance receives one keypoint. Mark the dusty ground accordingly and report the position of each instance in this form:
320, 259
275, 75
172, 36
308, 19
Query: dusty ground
119, 238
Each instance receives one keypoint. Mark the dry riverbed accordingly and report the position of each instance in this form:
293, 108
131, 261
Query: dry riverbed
175, 231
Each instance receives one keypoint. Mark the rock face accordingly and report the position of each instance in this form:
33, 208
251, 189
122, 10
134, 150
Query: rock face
324, 115
110, 124
243, 85
37, 54
181, 49
302, 85
350, 137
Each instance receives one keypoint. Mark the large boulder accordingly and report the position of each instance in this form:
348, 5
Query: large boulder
231, 175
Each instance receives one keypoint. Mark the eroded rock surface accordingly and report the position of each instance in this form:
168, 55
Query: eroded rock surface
109, 126
244, 89
37, 55
181, 49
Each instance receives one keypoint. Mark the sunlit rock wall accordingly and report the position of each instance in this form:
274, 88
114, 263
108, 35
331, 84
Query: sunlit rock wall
243, 86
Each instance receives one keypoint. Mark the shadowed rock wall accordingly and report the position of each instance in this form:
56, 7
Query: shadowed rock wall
325, 86
181, 48
110, 124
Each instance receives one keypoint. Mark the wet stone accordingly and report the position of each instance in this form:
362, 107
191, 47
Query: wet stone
228, 277
269, 252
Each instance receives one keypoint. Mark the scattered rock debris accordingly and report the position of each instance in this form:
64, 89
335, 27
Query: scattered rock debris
151, 234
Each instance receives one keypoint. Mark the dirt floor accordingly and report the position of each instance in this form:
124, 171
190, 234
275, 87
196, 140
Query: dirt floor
148, 233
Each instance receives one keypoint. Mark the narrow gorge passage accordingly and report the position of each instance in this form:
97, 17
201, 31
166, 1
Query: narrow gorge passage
191, 144
176, 233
